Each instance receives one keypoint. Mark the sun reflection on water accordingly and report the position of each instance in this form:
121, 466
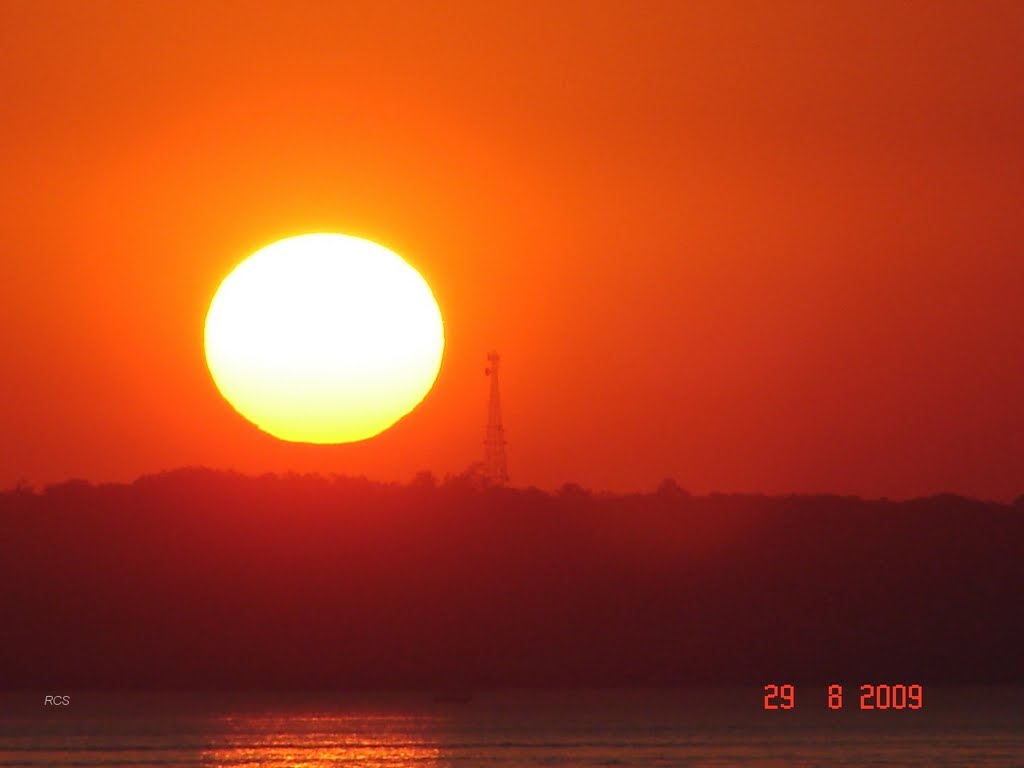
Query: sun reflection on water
394, 741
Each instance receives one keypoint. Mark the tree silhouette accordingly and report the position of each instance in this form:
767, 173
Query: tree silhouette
202, 578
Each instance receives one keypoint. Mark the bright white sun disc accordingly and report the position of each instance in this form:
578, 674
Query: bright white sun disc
324, 338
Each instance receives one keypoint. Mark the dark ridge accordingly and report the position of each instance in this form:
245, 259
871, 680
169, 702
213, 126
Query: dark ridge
200, 579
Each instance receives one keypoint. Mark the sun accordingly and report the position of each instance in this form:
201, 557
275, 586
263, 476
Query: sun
324, 338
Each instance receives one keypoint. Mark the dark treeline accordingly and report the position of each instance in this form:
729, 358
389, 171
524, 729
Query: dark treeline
204, 579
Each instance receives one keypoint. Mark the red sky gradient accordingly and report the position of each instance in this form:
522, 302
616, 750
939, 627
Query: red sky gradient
752, 246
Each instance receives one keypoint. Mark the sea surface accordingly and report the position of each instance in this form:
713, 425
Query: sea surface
968, 727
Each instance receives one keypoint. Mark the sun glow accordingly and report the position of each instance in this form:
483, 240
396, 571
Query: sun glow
324, 338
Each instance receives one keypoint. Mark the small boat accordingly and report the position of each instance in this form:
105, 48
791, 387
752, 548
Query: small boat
452, 697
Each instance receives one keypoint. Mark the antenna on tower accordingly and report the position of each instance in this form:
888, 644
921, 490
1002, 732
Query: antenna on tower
495, 464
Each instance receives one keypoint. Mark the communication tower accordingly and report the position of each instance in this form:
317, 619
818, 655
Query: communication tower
495, 464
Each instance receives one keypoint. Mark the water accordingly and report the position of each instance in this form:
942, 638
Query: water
702, 728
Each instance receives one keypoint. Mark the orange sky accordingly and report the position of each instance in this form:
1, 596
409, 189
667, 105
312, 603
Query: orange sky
753, 246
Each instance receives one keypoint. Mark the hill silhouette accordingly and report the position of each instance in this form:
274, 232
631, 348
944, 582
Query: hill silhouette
202, 579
